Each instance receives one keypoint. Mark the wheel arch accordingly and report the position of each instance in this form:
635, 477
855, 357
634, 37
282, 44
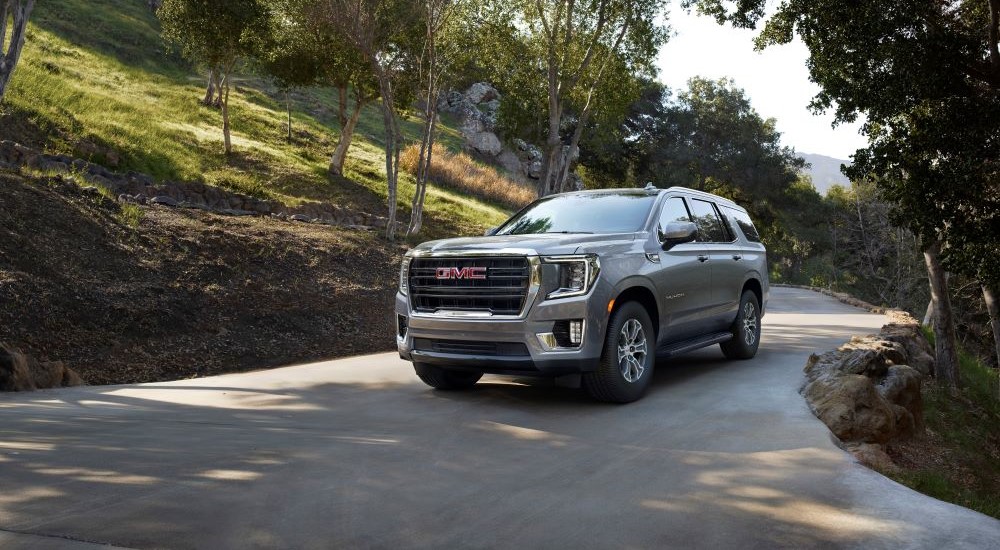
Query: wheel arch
644, 295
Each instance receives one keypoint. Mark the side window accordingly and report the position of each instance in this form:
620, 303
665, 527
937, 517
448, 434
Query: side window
673, 211
745, 224
710, 226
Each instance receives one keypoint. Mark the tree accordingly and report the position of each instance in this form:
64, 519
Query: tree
378, 31
580, 52
303, 51
17, 12
218, 34
436, 59
926, 75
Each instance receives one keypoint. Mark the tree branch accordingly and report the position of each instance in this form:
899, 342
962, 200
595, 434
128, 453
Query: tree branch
598, 33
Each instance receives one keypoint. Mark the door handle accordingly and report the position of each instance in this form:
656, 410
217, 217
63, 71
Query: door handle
737, 257
702, 258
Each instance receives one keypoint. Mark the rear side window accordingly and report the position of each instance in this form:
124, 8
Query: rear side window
743, 220
710, 226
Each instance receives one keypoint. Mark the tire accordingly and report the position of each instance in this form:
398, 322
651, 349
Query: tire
625, 371
746, 329
445, 379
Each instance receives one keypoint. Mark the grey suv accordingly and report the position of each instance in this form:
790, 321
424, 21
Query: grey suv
593, 283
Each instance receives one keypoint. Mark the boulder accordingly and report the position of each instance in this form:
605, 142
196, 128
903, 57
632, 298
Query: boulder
481, 92
901, 387
20, 372
484, 142
919, 353
851, 407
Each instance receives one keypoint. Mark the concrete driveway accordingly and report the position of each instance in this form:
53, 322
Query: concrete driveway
359, 453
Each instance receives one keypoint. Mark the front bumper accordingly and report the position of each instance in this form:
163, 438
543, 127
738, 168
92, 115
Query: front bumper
539, 318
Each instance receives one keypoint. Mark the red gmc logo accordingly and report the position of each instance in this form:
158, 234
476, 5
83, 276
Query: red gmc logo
464, 273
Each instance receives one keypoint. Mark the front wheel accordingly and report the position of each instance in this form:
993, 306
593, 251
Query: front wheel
746, 329
626, 366
446, 379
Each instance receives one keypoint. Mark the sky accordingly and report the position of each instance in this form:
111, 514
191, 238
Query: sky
776, 80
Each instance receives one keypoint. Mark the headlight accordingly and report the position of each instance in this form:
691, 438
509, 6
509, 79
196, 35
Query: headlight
576, 274
404, 276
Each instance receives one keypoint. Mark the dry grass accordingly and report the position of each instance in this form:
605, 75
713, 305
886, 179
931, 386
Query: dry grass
460, 172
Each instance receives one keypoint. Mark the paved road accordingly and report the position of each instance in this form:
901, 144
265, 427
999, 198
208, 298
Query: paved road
358, 453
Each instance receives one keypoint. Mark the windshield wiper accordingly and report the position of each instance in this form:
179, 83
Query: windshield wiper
568, 232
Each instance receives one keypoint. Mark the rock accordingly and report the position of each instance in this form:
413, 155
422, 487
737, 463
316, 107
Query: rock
91, 190
534, 170
299, 217
509, 161
164, 200
534, 153
20, 372
901, 387
851, 407
481, 92
486, 143
873, 456
919, 353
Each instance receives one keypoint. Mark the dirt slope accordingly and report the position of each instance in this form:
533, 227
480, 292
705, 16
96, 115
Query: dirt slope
185, 293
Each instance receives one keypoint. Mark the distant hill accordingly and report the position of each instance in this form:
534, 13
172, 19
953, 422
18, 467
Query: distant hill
825, 171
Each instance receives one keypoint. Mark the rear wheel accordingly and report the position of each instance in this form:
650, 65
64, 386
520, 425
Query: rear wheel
626, 366
746, 329
446, 379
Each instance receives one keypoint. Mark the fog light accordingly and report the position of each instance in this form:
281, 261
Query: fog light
568, 334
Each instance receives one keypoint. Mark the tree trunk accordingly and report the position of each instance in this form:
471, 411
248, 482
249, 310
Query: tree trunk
288, 109
929, 314
10, 52
210, 90
346, 135
946, 352
224, 93
423, 172
392, 138
993, 308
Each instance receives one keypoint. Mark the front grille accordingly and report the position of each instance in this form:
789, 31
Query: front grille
502, 292
469, 347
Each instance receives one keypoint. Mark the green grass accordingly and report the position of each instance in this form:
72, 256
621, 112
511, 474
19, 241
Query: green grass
96, 81
964, 427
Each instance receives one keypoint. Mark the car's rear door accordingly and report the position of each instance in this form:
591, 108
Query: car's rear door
725, 260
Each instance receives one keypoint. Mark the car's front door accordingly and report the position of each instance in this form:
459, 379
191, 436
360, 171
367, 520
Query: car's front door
682, 280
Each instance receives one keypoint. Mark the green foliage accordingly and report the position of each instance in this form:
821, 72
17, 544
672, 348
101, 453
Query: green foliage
964, 423
212, 32
926, 76
130, 215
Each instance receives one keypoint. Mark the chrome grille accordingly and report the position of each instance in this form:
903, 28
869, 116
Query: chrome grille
502, 292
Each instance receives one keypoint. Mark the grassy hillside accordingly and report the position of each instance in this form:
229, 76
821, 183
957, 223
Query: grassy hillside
95, 80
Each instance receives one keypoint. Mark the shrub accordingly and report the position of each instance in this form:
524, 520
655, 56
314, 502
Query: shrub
460, 172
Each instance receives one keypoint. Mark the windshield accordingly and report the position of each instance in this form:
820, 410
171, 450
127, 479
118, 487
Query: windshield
582, 213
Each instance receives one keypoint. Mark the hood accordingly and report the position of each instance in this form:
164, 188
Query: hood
541, 244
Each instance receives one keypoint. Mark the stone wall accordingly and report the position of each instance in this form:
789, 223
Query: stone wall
143, 189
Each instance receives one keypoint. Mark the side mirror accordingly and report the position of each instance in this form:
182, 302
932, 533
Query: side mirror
491, 231
676, 233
